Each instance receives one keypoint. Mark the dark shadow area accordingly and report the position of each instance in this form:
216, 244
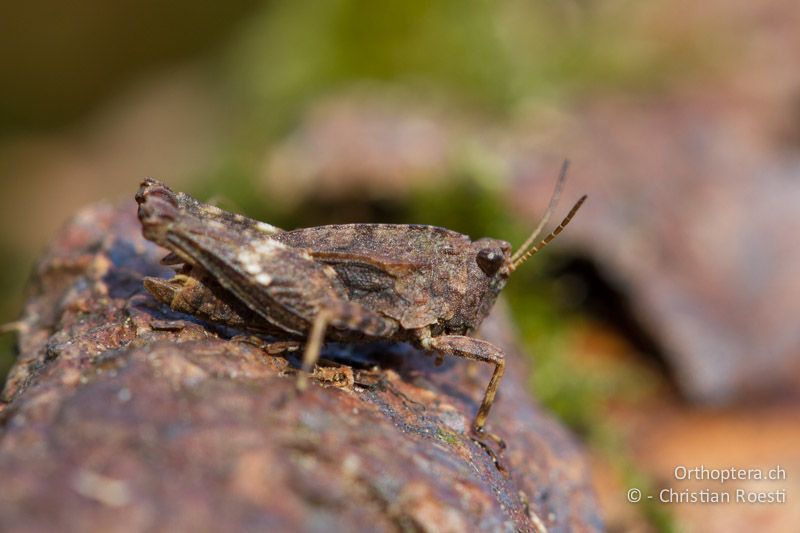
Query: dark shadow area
594, 294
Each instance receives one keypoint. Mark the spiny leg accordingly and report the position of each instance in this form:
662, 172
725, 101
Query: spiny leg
477, 350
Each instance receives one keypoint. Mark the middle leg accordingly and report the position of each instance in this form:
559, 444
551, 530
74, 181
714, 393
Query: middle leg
342, 315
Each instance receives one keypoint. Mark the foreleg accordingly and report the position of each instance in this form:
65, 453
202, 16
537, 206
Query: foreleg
477, 350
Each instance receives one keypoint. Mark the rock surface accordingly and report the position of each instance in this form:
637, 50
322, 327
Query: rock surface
120, 416
691, 217
695, 223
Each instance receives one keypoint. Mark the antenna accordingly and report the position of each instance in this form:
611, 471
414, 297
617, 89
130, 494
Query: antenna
544, 242
547, 214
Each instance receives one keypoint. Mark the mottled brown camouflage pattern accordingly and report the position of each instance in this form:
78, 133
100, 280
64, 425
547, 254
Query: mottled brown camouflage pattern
423, 284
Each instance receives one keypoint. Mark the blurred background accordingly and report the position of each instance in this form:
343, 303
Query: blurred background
661, 325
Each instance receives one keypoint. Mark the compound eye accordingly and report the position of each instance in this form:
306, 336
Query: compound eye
490, 260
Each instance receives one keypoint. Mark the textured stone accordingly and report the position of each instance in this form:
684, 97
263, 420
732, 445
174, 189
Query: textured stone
121, 415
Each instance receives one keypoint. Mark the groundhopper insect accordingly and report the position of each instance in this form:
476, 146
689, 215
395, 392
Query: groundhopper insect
429, 286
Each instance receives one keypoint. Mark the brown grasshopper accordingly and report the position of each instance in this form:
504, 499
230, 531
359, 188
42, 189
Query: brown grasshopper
425, 285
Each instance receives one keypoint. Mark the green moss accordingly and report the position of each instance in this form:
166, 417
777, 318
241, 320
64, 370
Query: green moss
489, 58
447, 436
577, 394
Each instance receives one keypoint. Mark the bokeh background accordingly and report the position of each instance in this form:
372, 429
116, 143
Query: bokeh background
661, 325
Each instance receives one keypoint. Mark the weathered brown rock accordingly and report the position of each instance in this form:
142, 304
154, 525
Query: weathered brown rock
696, 222
692, 213
122, 416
